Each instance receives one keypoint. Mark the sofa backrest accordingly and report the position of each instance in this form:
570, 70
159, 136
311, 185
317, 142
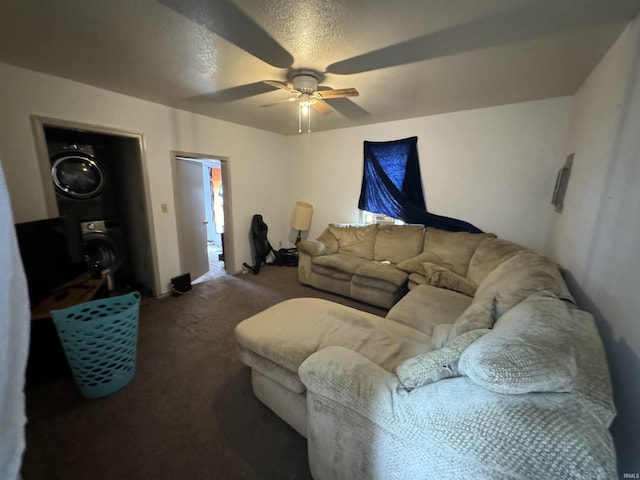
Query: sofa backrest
523, 274
355, 240
490, 253
453, 249
395, 243
543, 344
392, 243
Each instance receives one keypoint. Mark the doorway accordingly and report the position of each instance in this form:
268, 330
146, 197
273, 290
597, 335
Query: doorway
201, 186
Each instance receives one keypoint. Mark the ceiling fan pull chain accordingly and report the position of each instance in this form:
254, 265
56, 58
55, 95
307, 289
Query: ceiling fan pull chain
299, 119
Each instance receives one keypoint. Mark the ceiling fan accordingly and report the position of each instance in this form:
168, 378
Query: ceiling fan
526, 20
305, 90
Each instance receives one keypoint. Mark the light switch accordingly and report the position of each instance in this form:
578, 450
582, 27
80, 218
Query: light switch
163, 208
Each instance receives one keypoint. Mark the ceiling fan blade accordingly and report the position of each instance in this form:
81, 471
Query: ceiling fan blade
281, 85
227, 20
284, 100
322, 107
346, 107
532, 20
233, 93
339, 93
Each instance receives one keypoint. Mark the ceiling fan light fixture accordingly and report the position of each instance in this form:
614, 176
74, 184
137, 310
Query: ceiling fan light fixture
304, 110
305, 101
305, 83
304, 88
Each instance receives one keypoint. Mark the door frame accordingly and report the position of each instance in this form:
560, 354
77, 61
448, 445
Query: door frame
229, 254
38, 124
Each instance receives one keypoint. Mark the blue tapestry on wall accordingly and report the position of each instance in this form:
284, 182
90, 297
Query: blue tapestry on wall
392, 185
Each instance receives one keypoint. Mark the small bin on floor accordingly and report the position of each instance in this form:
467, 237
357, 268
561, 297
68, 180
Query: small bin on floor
100, 340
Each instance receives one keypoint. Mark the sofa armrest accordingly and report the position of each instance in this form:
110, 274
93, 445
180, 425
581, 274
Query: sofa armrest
307, 251
314, 248
344, 375
362, 425
325, 244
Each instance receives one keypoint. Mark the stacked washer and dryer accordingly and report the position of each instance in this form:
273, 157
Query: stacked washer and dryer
84, 189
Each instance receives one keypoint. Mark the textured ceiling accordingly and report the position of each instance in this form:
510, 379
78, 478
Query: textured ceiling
407, 58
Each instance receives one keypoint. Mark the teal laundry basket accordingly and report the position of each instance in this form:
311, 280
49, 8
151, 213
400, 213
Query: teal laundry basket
100, 340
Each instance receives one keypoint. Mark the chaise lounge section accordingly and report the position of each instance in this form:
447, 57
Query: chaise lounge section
510, 382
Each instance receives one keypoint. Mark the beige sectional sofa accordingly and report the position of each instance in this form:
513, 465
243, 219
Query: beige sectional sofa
506, 380
377, 263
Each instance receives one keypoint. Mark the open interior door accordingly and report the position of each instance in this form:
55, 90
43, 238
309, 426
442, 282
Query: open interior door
190, 213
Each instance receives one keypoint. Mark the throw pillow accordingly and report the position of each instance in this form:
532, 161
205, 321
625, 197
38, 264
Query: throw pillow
528, 350
481, 313
524, 274
440, 335
436, 364
414, 264
439, 276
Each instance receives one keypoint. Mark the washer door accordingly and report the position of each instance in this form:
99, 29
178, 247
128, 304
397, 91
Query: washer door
101, 253
77, 176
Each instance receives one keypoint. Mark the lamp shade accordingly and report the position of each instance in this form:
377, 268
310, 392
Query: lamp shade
301, 218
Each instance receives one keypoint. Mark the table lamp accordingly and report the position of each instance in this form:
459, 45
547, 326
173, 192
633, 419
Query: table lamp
301, 218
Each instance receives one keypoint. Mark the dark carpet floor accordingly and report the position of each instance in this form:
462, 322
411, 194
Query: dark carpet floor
189, 413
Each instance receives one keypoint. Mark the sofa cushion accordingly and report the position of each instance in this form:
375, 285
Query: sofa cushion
455, 249
416, 279
524, 274
414, 264
440, 276
481, 313
337, 265
355, 240
440, 335
425, 307
287, 333
527, 350
395, 243
490, 253
381, 272
437, 364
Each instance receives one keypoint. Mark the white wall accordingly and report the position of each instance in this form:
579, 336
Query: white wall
493, 167
596, 238
257, 159
485, 155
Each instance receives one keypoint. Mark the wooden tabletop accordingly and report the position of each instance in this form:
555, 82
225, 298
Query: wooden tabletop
79, 290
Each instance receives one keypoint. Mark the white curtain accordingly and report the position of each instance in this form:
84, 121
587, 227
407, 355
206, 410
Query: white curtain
14, 342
